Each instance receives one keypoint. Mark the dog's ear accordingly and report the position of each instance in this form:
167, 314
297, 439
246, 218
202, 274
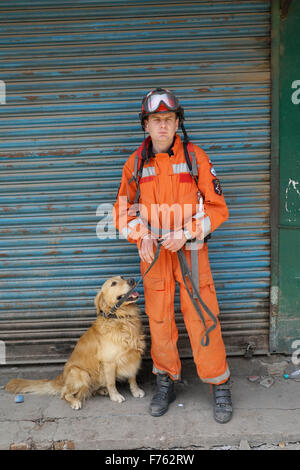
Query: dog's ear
99, 301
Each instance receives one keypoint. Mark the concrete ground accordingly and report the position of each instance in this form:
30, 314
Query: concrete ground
264, 417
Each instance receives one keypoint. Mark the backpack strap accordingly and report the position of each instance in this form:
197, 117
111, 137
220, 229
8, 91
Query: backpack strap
191, 161
139, 160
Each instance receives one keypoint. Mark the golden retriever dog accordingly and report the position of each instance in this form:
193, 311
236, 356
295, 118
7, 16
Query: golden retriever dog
110, 350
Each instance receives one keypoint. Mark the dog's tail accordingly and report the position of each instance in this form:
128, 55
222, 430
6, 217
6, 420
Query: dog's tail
39, 387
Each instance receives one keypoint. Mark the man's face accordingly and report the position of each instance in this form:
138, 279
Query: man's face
162, 127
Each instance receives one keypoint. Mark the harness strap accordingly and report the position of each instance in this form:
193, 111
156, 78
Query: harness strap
192, 165
195, 265
137, 172
133, 178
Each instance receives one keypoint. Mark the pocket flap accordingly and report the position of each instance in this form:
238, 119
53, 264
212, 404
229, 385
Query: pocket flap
154, 283
205, 278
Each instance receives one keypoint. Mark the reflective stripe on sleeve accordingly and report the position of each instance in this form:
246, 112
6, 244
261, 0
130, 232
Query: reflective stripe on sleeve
127, 230
205, 220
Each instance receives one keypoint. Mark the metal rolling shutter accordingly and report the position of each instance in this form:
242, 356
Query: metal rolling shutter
75, 74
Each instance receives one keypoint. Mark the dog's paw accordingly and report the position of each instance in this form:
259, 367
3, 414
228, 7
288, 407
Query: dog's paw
138, 393
102, 391
117, 397
76, 405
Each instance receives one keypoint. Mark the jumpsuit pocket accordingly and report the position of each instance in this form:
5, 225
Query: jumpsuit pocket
209, 297
154, 283
212, 288
208, 291
205, 279
155, 298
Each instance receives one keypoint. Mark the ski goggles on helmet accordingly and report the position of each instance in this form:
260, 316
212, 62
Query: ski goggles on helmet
160, 99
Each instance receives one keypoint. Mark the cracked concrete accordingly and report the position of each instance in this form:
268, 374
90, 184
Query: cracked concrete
262, 416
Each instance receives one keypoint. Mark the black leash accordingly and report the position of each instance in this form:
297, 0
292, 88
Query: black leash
111, 313
186, 273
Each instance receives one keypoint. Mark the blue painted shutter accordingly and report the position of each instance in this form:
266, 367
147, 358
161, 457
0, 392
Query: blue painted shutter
75, 74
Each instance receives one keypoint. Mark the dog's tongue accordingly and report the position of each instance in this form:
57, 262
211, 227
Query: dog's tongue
134, 294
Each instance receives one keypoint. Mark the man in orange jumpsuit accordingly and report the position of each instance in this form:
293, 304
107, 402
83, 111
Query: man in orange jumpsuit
159, 199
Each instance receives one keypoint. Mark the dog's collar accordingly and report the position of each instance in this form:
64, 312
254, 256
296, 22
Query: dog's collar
107, 315
111, 315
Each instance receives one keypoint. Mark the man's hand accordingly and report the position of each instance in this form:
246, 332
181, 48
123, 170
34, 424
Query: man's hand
146, 251
173, 241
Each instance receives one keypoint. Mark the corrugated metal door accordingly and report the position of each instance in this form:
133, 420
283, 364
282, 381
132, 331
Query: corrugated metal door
75, 74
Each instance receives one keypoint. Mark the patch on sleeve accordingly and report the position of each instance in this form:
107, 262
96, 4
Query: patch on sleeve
217, 186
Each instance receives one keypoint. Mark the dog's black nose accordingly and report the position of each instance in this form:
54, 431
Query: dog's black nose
131, 282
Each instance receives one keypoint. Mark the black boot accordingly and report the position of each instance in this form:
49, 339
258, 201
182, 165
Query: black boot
222, 402
164, 394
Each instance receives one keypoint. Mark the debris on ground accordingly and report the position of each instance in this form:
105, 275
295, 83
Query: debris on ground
253, 378
265, 381
19, 399
293, 375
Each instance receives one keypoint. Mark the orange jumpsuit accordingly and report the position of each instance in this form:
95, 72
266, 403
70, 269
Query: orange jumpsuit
169, 200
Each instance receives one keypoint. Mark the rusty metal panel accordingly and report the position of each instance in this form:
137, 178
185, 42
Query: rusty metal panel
75, 74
